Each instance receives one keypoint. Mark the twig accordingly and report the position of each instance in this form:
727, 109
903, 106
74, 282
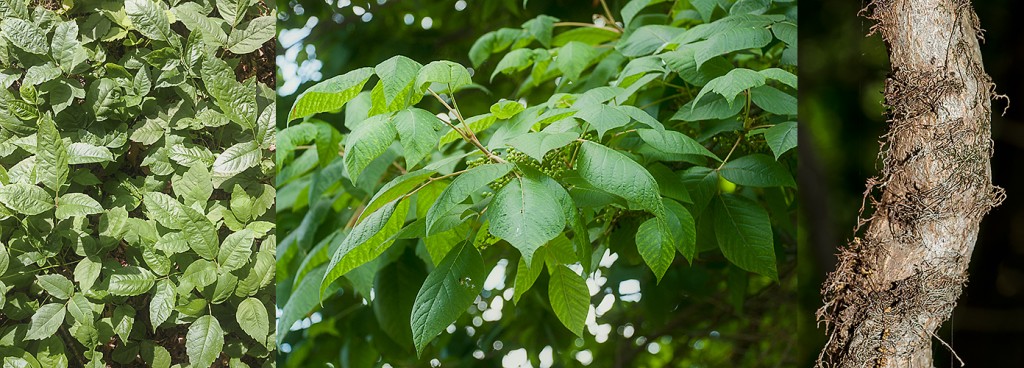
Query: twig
468, 138
608, 13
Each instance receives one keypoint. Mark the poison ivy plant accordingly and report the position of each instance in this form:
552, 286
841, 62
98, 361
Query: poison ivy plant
665, 139
136, 183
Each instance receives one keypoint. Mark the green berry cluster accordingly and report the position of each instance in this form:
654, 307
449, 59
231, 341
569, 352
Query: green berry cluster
484, 239
477, 162
723, 142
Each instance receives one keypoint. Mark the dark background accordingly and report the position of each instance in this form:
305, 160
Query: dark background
841, 79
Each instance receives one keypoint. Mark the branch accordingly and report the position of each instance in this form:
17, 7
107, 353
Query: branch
470, 137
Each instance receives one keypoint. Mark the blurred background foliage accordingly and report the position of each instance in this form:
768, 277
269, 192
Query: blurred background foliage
697, 316
841, 80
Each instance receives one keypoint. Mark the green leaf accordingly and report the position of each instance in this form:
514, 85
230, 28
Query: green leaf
614, 173
713, 107
757, 170
84, 153
781, 138
465, 184
25, 35
162, 304
674, 142
148, 18
366, 241
252, 316
541, 28
780, 75
603, 117
505, 109
86, 273
237, 159
76, 205
773, 100
80, 309
514, 61
200, 233
786, 32
252, 36
476, 124
155, 355
683, 229
51, 156
443, 77
396, 188
527, 273
331, 94
232, 10
67, 51
235, 250
165, 210
647, 39
210, 29
744, 234
188, 155
56, 285
194, 186
397, 76
204, 341
587, 35
732, 39
200, 273
634, 7
446, 293
5, 261
492, 42
302, 300
732, 83
45, 321
642, 117
103, 95
369, 140
526, 214
236, 100
26, 199
570, 298
123, 319
574, 58
656, 245
538, 144
131, 281
419, 131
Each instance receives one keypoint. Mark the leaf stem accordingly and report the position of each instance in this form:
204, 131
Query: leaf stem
734, 145
471, 138
611, 18
431, 180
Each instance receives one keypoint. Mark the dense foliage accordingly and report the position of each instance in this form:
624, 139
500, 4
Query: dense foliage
135, 184
663, 140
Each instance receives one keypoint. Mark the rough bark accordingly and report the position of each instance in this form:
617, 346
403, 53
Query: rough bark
899, 280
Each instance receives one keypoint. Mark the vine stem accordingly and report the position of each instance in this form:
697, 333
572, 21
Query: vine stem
746, 126
734, 145
611, 18
471, 138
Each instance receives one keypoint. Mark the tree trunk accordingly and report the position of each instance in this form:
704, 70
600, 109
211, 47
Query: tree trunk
898, 282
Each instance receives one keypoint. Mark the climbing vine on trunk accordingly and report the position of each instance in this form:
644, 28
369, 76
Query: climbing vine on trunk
899, 280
